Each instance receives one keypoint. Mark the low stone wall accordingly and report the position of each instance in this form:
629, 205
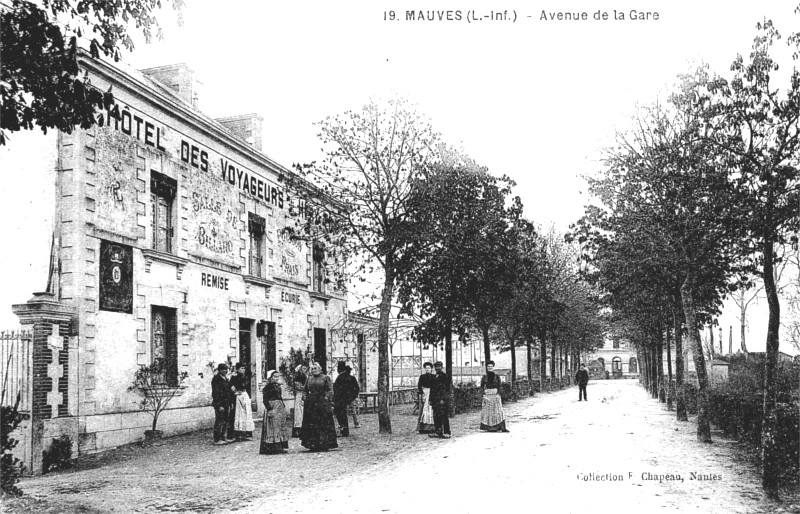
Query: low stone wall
105, 431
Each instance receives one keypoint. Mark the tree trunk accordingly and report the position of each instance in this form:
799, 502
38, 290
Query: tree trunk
687, 295
670, 392
646, 368
553, 359
654, 380
680, 399
742, 342
662, 391
487, 350
529, 345
542, 358
384, 421
770, 453
513, 363
711, 351
642, 367
448, 358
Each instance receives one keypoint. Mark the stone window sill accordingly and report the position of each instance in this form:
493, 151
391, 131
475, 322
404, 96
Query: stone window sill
166, 391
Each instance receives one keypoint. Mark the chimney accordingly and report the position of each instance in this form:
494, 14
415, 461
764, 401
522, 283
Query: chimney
179, 78
246, 127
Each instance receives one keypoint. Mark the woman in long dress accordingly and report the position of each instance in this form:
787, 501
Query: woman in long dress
243, 425
300, 377
275, 430
492, 417
425, 423
319, 430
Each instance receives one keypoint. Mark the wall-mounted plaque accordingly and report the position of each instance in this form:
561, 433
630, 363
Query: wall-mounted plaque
116, 277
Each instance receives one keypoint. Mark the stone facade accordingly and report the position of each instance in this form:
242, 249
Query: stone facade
617, 358
171, 246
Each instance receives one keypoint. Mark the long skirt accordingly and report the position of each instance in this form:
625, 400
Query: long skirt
425, 423
492, 416
298, 415
243, 419
319, 430
275, 430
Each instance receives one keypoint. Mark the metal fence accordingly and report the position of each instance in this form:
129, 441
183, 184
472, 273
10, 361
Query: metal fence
15, 373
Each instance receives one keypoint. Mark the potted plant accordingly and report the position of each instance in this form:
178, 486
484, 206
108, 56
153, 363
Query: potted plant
157, 387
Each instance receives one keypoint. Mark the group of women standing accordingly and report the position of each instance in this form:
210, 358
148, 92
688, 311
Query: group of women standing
492, 415
313, 412
313, 409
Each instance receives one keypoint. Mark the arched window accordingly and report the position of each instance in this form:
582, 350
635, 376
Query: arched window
602, 362
616, 364
633, 365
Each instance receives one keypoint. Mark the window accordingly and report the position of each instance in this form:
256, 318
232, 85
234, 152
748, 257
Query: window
632, 365
616, 364
256, 226
616, 343
164, 336
162, 195
319, 268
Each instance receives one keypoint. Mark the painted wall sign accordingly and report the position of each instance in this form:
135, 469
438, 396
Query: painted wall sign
290, 297
116, 277
214, 281
291, 258
135, 124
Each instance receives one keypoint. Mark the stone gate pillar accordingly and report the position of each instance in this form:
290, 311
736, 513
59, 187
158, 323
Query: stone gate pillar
54, 358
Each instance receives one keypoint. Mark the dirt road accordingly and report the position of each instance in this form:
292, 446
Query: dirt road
619, 451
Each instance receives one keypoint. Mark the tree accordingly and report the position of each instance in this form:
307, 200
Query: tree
668, 183
41, 82
156, 387
762, 137
373, 157
459, 223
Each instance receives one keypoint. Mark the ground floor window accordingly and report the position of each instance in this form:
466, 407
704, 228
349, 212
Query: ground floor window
164, 336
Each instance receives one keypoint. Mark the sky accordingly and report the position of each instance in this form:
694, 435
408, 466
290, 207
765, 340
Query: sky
537, 100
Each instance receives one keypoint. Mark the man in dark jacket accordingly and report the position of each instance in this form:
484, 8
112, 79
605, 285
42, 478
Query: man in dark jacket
582, 378
221, 401
440, 402
345, 390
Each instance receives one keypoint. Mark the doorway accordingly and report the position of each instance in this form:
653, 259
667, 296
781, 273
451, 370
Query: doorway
246, 355
321, 349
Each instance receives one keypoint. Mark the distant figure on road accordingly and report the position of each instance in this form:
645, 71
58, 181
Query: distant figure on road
275, 429
345, 390
243, 425
582, 378
425, 423
319, 430
492, 417
221, 401
300, 377
440, 401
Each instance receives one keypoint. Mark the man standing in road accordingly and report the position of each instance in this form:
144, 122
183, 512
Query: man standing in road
440, 401
582, 378
220, 401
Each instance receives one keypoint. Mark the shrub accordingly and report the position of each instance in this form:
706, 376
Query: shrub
157, 386
59, 455
11, 467
467, 396
289, 362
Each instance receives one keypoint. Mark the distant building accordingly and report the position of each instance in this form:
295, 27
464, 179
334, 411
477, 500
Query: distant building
615, 359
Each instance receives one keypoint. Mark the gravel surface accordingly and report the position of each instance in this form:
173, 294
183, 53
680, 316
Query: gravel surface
620, 451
